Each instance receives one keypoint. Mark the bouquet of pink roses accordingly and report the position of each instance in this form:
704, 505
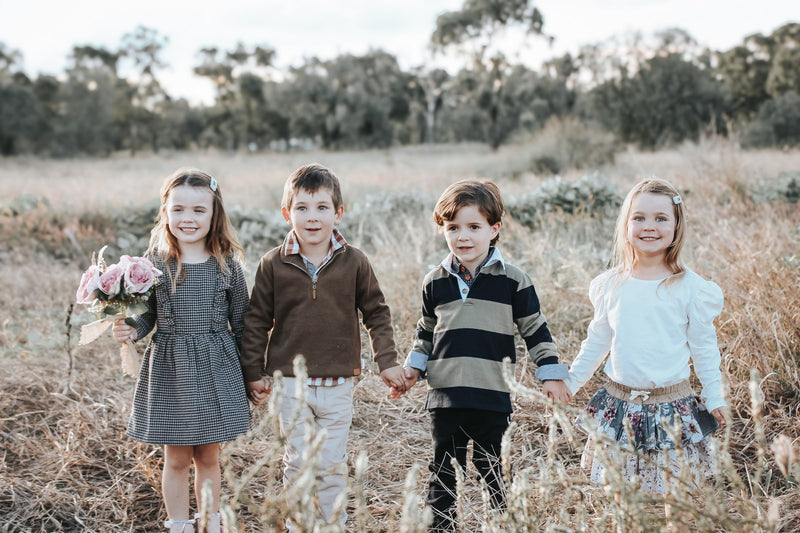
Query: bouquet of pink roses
116, 291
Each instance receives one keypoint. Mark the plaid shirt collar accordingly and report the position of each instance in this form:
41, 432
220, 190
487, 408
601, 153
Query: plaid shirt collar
494, 257
292, 246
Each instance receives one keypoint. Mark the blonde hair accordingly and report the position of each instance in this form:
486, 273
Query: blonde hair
623, 257
485, 195
221, 240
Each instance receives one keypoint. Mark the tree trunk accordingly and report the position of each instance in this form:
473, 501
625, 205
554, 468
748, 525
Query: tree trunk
430, 120
494, 127
134, 133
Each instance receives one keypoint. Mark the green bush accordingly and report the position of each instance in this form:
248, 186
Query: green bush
588, 195
785, 188
777, 123
569, 143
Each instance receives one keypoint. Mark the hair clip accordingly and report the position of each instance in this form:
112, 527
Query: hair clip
213, 185
677, 199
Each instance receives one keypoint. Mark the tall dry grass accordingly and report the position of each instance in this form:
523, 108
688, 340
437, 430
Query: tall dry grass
65, 464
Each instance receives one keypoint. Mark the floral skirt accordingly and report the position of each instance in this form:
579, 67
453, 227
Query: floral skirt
646, 413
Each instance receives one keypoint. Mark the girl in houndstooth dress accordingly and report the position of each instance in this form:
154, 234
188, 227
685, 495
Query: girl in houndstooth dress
190, 395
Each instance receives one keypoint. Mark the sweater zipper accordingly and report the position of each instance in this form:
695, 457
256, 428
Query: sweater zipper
315, 276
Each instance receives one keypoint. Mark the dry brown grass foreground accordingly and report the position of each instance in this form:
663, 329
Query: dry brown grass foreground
66, 465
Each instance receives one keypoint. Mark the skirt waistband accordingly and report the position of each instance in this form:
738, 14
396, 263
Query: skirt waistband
649, 396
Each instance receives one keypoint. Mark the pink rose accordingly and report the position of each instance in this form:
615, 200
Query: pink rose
89, 282
110, 279
140, 274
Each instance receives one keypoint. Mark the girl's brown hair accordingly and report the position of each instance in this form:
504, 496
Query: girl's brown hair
221, 240
624, 257
485, 195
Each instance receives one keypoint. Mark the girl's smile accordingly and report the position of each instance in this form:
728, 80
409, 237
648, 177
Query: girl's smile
189, 211
651, 226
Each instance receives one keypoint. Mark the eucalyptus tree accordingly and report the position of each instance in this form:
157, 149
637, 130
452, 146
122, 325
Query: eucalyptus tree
666, 101
18, 106
475, 30
142, 48
239, 76
87, 98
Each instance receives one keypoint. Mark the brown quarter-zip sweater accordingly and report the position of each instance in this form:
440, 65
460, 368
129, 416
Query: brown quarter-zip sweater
287, 317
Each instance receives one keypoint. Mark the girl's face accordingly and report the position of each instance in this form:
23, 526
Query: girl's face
651, 224
189, 211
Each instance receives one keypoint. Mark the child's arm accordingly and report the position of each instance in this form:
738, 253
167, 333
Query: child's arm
702, 336
238, 300
377, 319
258, 322
595, 347
532, 326
416, 362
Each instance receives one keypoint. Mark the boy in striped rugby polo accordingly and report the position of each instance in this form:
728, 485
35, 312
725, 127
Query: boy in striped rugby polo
471, 303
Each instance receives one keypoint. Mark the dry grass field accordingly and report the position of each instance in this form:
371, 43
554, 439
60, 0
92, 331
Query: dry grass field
66, 465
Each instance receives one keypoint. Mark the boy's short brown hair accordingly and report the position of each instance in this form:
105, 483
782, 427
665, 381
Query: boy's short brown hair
485, 195
311, 178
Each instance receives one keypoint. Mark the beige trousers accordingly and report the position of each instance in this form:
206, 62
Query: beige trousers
329, 408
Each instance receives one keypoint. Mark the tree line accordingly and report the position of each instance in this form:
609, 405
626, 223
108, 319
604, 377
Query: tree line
649, 91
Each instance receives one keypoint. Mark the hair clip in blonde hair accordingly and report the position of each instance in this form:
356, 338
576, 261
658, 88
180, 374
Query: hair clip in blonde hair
213, 185
677, 199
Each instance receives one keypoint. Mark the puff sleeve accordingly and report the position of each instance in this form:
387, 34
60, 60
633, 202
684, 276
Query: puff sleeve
702, 337
595, 347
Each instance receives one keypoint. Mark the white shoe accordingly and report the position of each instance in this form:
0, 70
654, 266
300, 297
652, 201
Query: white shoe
212, 524
180, 526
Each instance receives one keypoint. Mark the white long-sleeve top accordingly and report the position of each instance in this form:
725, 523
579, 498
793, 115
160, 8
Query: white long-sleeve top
650, 331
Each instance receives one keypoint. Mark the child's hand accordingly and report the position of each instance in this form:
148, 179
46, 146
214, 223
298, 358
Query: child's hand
411, 376
721, 416
122, 332
557, 390
257, 391
395, 380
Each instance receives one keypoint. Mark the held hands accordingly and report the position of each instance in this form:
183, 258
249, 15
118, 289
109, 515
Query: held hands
410, 377
122, 332
257, 391
399, 380
721, 415
557, 390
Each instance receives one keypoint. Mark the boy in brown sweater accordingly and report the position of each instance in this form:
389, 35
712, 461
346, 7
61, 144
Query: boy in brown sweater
305, 300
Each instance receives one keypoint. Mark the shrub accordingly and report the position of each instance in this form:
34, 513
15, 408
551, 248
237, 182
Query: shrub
777, 123
786, 187
366, 219
569, 143
589, 194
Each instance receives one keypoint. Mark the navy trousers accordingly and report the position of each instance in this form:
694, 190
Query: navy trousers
452, 429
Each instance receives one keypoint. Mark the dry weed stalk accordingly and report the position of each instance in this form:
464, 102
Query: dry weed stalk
66, 465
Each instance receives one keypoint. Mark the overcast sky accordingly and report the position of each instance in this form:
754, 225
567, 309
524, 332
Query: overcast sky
44, 31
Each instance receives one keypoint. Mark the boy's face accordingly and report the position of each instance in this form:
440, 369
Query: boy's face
469, 236
313, 218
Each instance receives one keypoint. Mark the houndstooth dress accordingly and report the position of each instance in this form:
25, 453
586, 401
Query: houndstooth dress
190, 389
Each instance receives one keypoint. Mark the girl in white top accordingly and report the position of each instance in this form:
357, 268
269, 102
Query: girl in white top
652, 315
